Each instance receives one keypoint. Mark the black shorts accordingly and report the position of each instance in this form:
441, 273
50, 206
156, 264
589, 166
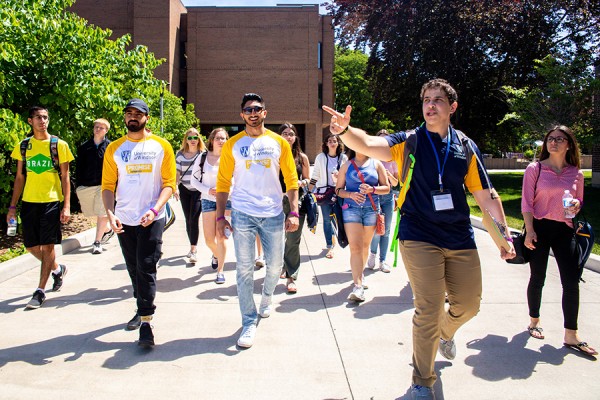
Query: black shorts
41, 223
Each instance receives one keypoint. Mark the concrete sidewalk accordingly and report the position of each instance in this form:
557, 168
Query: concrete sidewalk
315, 345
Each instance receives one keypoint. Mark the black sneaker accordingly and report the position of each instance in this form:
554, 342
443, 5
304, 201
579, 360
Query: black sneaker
134, 322
37, 300
106, 236
146, 336
214, 263
58, 278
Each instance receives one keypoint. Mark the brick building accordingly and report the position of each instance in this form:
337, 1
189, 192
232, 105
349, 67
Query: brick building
216, 54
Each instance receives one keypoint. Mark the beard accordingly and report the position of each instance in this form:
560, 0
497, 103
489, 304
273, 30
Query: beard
135, 126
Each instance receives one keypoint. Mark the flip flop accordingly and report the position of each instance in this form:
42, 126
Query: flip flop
582, 347
329, 254
291, 287
536, 330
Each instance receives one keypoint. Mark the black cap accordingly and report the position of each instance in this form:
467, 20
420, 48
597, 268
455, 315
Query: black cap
138, 105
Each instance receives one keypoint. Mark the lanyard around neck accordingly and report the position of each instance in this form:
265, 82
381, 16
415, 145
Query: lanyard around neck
437, 159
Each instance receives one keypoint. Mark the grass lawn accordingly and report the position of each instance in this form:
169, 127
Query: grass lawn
508, 185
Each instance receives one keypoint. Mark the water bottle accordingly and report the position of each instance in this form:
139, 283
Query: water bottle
227, 232
12, 227
567, 201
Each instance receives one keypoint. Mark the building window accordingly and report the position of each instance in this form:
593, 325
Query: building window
320, 55
320, 95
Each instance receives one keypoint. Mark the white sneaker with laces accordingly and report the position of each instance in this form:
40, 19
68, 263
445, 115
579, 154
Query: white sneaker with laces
193, 257
371, 260
246, 339
264, 310
384, 267
447, 349
357, 294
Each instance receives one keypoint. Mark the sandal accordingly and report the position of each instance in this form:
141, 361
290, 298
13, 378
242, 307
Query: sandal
582, 347
536, 332
291, 287
329, 253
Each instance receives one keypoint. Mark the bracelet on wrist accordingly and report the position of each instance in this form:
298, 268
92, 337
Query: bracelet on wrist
154, 211
294, 214
12, 207
509, 239
343, 132
221, 218
373, 189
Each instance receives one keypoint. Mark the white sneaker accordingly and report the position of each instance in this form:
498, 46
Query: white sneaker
357, 294
193, 257
447, 349
246, 339
264, 310
364, 282
384, 267
371, 261
97, 248
259, 262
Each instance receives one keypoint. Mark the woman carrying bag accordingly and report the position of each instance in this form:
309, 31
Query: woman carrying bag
549, 226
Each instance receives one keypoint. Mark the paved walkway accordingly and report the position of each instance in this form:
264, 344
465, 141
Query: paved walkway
314, 346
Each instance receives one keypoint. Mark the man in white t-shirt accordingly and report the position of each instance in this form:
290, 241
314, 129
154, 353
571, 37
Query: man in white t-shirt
254, 158
139, 173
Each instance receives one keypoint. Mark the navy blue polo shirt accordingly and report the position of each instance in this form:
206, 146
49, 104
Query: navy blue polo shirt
449, 229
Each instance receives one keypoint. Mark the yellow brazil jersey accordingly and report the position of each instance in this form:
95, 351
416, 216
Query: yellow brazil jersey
42, 184
137, 171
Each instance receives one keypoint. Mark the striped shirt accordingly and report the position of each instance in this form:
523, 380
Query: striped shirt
184, 167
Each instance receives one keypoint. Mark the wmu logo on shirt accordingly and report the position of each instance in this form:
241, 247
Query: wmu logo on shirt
125, 155
245, 151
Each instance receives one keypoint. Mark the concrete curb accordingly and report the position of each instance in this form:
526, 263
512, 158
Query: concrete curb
593, 263
18, 265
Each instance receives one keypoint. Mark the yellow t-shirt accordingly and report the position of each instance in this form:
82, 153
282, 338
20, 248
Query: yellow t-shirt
42, 184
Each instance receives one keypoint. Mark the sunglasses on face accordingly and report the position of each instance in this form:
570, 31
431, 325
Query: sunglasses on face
248, 110
192, 137
558, 139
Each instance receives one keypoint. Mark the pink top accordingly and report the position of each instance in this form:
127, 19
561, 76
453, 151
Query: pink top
546, 202
391, 166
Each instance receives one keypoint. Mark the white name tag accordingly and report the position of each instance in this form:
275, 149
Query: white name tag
442, 201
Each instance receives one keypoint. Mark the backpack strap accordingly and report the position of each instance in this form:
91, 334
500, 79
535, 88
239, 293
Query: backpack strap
202, 161
54, 154
23, 146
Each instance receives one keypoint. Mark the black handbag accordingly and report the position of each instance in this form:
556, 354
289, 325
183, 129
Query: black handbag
523, 252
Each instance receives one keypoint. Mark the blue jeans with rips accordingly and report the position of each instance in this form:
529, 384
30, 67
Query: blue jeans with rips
271, 233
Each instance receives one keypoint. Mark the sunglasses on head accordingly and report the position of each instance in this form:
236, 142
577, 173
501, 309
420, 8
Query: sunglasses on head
192, 137
248, 110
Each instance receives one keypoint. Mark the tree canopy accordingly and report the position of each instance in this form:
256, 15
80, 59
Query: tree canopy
53, 58
479, 46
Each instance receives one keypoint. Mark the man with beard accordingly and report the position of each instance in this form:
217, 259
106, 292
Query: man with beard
254, 158
139, 174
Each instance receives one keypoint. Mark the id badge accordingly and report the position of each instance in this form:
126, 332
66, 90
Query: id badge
442, 200
133, 179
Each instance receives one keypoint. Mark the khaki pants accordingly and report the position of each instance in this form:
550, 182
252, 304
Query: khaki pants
433, 271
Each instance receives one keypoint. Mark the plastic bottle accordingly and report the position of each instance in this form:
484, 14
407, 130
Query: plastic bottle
12, 227
227, 232
567, 201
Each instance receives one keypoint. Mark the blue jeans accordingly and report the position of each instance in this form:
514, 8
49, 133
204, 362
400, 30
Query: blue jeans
386, 202
271, 233
327, 228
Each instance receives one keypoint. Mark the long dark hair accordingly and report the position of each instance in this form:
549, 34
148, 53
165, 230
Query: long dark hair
340, 148
296, 150
572, 156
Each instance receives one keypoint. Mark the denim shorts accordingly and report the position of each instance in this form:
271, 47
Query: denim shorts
364, 214
209, 206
